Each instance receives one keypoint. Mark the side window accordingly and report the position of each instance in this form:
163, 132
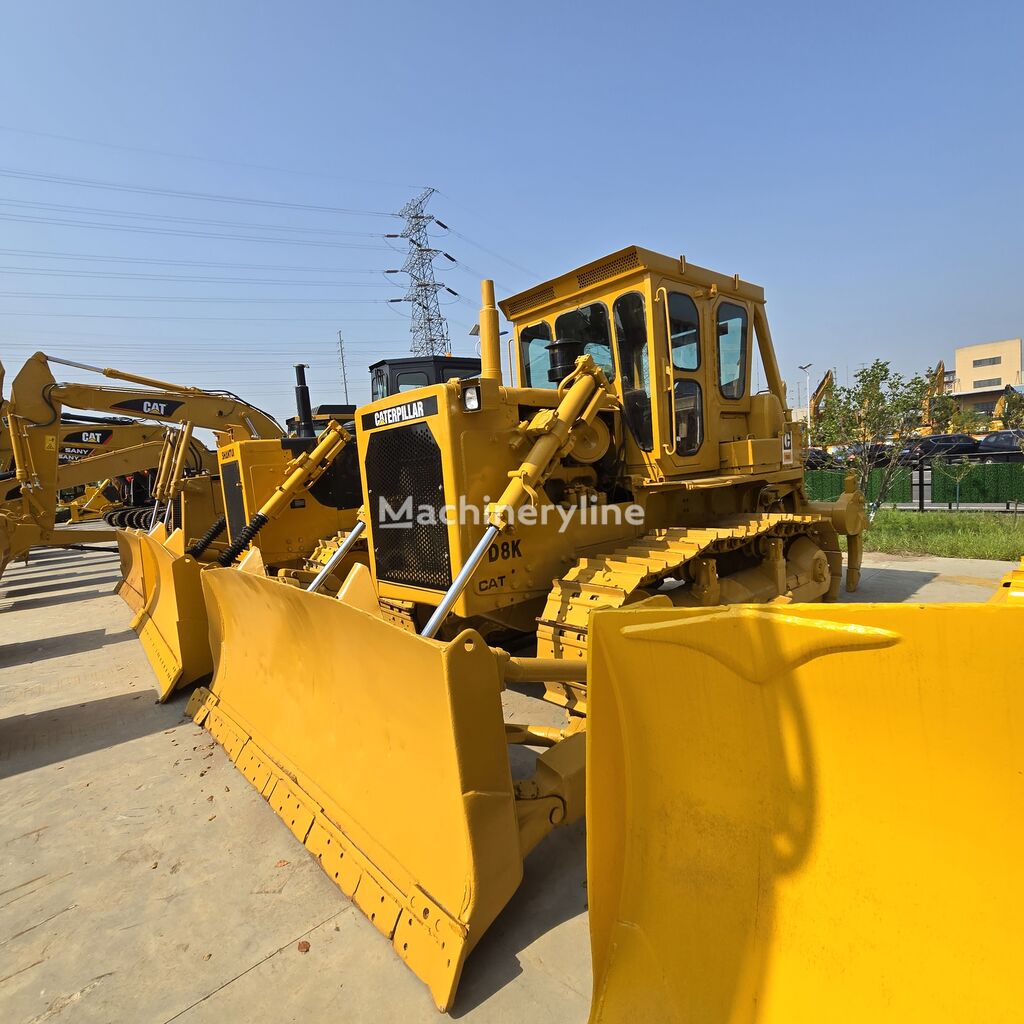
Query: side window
689, 405
379, 384
411, 379
533, 349
588, 328
684, 331
634, 368
732, 349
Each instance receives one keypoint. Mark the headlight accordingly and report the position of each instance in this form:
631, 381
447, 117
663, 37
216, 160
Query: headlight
471, 398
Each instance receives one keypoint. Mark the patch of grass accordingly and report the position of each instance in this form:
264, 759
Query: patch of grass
947, 534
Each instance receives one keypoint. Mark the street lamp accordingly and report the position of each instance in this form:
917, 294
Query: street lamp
807, 391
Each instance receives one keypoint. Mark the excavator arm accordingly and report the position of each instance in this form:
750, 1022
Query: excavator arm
39, 398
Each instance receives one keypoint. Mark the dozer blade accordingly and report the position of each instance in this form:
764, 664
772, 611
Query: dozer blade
132, 588
808, 813
383, 752
172, 624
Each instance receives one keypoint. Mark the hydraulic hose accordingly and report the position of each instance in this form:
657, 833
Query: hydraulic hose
241, 542
207, 538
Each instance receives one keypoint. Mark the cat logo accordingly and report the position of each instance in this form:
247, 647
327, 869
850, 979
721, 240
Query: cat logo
149, 406
787, 448
92, 437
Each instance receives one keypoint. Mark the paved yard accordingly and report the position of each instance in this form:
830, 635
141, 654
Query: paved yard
142, 879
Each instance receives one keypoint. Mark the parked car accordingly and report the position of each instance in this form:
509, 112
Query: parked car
873, 454
1002, 446
819, 458
943, 446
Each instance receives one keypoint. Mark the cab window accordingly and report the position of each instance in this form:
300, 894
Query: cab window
689, 407
684, 331
411, 379
379, 384
588, 327
634, 368
533, 349
732, 350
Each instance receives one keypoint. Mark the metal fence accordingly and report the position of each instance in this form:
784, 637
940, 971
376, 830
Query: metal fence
979, 484
827, 485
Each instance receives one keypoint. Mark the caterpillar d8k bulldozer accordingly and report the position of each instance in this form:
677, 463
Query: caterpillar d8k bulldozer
630, 462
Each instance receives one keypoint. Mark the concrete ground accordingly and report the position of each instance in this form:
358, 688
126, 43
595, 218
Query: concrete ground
143, 879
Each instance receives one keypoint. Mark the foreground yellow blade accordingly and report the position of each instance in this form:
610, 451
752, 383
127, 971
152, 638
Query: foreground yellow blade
383, 752
811, 813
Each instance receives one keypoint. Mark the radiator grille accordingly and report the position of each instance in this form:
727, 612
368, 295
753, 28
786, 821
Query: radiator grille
404, 462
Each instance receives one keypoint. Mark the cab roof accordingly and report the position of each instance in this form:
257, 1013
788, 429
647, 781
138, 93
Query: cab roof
633, 261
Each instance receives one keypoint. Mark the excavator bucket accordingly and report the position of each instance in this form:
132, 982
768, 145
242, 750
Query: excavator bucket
392, 770
172, 623
806, 813
132, 588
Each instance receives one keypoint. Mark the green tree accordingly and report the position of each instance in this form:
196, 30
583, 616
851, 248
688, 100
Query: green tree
1013, 409
941, 410
968, 421
876, 416
957, 470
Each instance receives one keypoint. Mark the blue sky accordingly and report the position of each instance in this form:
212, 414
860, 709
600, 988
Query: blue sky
863, 163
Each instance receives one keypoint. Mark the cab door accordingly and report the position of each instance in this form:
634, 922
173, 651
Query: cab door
682, 336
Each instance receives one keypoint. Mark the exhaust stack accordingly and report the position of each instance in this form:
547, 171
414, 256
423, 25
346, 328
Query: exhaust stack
490, 344
303, 409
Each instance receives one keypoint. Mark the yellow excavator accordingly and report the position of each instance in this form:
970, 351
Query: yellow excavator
34, 420
629, 465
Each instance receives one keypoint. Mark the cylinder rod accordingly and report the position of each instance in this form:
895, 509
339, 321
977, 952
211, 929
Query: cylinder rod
456, 589
344, 548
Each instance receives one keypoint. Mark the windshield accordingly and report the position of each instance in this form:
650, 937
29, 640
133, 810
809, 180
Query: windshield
588, 326
533, 348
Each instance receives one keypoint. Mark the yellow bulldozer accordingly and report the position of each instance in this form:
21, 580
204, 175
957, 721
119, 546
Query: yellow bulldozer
630, 465
286, 502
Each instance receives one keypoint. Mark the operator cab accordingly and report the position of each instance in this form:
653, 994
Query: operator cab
393, 376
673, 339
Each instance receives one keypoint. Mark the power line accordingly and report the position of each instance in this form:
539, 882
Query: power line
176, 219
50, 255
496, 255
179, 298
139, 229
204, 159
232, 319
210, 197
110, 276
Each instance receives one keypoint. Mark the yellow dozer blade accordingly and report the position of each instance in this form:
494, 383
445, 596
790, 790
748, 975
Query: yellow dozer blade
132, 589
385, 753
806, 813
172, 623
